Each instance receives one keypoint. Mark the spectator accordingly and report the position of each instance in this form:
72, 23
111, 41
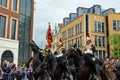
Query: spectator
19, 74
1, 74
30, 72
6, 70
24, 74
13, 72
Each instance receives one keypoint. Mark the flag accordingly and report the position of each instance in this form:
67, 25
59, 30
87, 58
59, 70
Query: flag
60, 42
49, 37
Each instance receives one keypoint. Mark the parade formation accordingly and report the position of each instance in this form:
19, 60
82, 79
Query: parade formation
63, 64
72, 64
85, 46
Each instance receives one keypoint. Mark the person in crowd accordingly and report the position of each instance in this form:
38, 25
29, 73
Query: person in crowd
6, 70
13, 71
24, 73
1, 74
30, 72
110, 66
19, 74
117, 72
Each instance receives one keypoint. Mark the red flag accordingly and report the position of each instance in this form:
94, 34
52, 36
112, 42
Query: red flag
60, 42
49, 37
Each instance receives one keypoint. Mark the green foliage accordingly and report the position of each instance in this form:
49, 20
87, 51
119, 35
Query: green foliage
115, 41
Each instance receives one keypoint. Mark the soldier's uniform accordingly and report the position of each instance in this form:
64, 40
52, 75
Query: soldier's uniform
110, 66
117, 71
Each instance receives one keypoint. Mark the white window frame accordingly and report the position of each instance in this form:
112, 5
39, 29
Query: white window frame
98, 30
18, 3
7, 7
6, 27
16, 29
102, 54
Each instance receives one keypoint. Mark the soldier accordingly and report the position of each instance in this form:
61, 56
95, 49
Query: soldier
117, 72
60, 50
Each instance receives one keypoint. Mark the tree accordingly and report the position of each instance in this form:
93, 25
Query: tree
115, 42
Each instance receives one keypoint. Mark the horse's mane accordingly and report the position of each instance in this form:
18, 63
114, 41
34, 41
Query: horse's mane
50, 58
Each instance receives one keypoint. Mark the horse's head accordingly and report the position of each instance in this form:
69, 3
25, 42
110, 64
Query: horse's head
73, 52
34, 46
48, 61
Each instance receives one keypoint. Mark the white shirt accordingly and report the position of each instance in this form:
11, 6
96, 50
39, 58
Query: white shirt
89, 52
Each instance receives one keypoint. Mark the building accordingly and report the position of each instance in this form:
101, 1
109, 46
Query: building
57, 36
99, 23
16, 25
25, 29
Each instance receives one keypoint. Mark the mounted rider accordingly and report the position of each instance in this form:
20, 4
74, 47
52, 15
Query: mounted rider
89, 53
90, 48
60, 49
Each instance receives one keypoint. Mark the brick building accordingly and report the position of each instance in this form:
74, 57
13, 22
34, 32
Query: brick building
16, 25
99, 23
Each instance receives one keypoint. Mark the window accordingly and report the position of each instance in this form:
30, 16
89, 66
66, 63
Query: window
116, 25
102, 27
3, 3
24, 29
28, 8
100, 54
100, 41
15, 5
95, 26
70, 32
98, 26
7, 55
2, 25
22, 6
64, 44
13, 29
78, 28
96, 40
64, 35
70, 43
79, 41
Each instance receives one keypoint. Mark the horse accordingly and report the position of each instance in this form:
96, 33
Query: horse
85, 68
37, 58
54, 66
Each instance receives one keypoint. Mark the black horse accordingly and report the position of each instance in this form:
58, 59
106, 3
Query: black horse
85, 68
54, 66
37, 58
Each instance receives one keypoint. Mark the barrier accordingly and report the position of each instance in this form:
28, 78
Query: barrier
7, 76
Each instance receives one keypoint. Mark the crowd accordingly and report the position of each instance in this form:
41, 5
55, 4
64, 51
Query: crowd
112, 66
11, 71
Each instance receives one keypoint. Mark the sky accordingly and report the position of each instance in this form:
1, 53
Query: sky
54, 11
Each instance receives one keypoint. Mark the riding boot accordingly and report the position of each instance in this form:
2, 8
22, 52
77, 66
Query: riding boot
97, 71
